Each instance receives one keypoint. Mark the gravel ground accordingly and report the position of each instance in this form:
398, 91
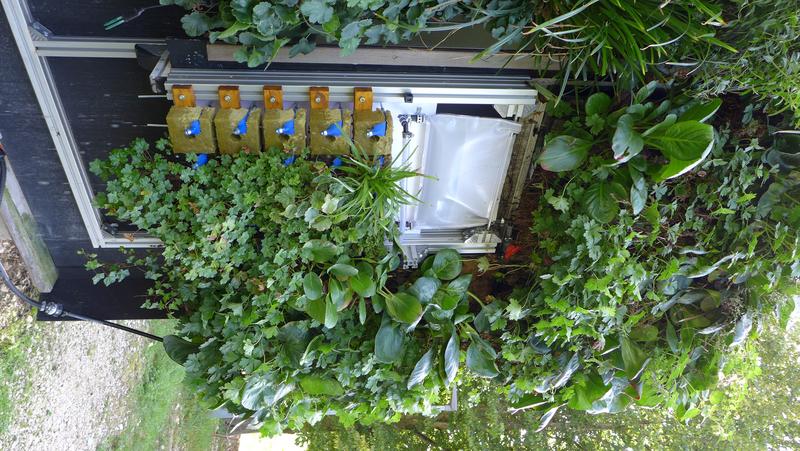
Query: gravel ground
74, 392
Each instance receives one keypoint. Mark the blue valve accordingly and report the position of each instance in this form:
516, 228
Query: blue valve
287, 128
380, 161
336, 162
241, 127
377, 130
193, 129
334, 130
289, 160
202, 159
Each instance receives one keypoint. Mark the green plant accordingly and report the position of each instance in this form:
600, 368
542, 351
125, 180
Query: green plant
280, 287
767, 34
658, 140
640, 309
622, 38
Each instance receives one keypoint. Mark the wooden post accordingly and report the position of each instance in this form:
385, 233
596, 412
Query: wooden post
273, 97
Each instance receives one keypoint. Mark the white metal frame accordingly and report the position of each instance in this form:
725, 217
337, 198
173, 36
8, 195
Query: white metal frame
19, 19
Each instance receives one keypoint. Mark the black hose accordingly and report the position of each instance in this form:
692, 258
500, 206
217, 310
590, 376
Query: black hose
51, 308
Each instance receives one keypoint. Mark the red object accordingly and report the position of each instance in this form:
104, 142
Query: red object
511, 250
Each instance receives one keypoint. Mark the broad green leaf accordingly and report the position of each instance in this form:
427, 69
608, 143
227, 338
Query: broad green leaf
701, 112
742, 329
178, 349
261, 392
600, 202
446, 299
362, 311
480, 359
663, 125
363, 283
452, 354
627, 142
529, 401
638, 191
645, 92
564, 153
195, 24
672, 338
313, 345
342, 271
633, 358
317, 11
446, 264
421, 369
232, 30
389, 343
312, 286
685, 141
320, 251
331, 313
321, 386
316, 309
597, 103
424, 288
294, 339
403, 307
587, 391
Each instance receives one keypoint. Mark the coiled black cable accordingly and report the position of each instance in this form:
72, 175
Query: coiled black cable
52, 308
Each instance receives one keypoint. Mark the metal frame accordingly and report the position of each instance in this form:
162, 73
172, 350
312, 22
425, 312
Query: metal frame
20, 21
36, 44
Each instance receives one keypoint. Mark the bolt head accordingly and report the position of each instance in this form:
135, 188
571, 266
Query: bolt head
182, 97
318, 99
227, 98
362, 99
272, 99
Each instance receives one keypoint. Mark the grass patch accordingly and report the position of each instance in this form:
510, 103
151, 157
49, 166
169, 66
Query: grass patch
14, 343
164, 413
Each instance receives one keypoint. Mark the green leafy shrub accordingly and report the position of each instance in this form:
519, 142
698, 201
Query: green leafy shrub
278, 274
657, 139
639, 309
621, 38
767, 65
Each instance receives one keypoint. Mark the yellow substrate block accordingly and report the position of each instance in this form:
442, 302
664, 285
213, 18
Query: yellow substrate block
375, 145
179, 118
226, 122
320, 120
274, 119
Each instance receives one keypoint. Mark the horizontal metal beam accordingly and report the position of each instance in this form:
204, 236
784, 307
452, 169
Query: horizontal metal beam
424, 88
80, 47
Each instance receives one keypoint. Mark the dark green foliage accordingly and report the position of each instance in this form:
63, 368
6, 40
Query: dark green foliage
619, 38
767, 65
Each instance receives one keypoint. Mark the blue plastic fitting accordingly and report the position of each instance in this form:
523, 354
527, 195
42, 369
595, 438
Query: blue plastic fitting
289, 160
202, 159
241, 127
287, 128
336, 162
193, 129
333, 130
377, 130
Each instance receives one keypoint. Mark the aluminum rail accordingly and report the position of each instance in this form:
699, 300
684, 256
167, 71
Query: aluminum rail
423, 88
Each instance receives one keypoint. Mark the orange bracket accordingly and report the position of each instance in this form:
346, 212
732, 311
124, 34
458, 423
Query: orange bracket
229, 97
362, 99
273, 97
183, 95
318, 96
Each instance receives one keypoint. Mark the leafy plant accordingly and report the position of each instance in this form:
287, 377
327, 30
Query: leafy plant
658, 140
620, 38
641, 309
767, 34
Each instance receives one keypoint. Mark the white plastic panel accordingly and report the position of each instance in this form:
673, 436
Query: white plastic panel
469, 157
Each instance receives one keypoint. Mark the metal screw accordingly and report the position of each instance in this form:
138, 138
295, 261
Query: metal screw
182, 97
227, 98
272, 99
362, 99
318, 99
